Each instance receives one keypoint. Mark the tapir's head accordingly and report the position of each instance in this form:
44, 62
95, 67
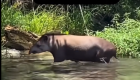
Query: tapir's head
42, 45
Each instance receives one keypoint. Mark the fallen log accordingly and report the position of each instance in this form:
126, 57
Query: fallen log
18, 39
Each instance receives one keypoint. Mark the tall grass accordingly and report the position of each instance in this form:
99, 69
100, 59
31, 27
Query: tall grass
34, 21
43, 21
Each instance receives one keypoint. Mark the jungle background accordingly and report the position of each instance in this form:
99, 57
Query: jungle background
119, 23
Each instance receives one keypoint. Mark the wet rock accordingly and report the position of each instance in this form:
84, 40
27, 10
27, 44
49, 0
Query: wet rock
13, 53
10, 53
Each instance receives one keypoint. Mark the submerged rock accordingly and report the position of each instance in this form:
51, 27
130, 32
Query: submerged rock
41, 56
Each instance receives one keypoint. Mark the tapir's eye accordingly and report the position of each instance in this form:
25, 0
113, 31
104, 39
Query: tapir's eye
38, 45
33, 51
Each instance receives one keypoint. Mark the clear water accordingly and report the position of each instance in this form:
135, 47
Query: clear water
23, 69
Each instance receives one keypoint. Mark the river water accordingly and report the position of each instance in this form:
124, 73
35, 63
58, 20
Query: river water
25, 69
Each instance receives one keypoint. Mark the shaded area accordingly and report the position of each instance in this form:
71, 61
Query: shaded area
21, 69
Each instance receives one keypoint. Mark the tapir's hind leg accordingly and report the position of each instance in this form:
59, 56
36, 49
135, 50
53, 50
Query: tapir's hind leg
107, 60
76, 61
100, 57
103, 60
109, 54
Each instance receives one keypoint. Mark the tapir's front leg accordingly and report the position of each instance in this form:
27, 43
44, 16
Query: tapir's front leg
59, 55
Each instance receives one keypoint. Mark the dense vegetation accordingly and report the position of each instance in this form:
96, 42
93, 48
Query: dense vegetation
118, 23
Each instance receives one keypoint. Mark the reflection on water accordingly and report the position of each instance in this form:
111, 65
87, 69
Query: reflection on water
17, 69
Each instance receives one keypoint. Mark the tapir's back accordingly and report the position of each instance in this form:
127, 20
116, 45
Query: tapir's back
75, 41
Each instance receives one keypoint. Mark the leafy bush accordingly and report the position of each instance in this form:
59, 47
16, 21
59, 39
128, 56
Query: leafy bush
126, 37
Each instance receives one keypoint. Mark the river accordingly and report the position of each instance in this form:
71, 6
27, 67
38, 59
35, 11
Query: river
25, 69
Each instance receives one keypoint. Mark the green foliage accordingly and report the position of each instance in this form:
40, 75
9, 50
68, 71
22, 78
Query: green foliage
126, 37
66, 32
137, 13
34, 21
75, 23
121, 22
43, 22
102, 15
10, 16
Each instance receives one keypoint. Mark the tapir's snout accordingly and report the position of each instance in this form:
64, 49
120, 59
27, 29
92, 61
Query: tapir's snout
31, 51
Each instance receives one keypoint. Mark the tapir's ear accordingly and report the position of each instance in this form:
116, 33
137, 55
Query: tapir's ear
45, 37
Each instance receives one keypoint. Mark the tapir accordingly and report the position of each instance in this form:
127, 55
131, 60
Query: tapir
75, 48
